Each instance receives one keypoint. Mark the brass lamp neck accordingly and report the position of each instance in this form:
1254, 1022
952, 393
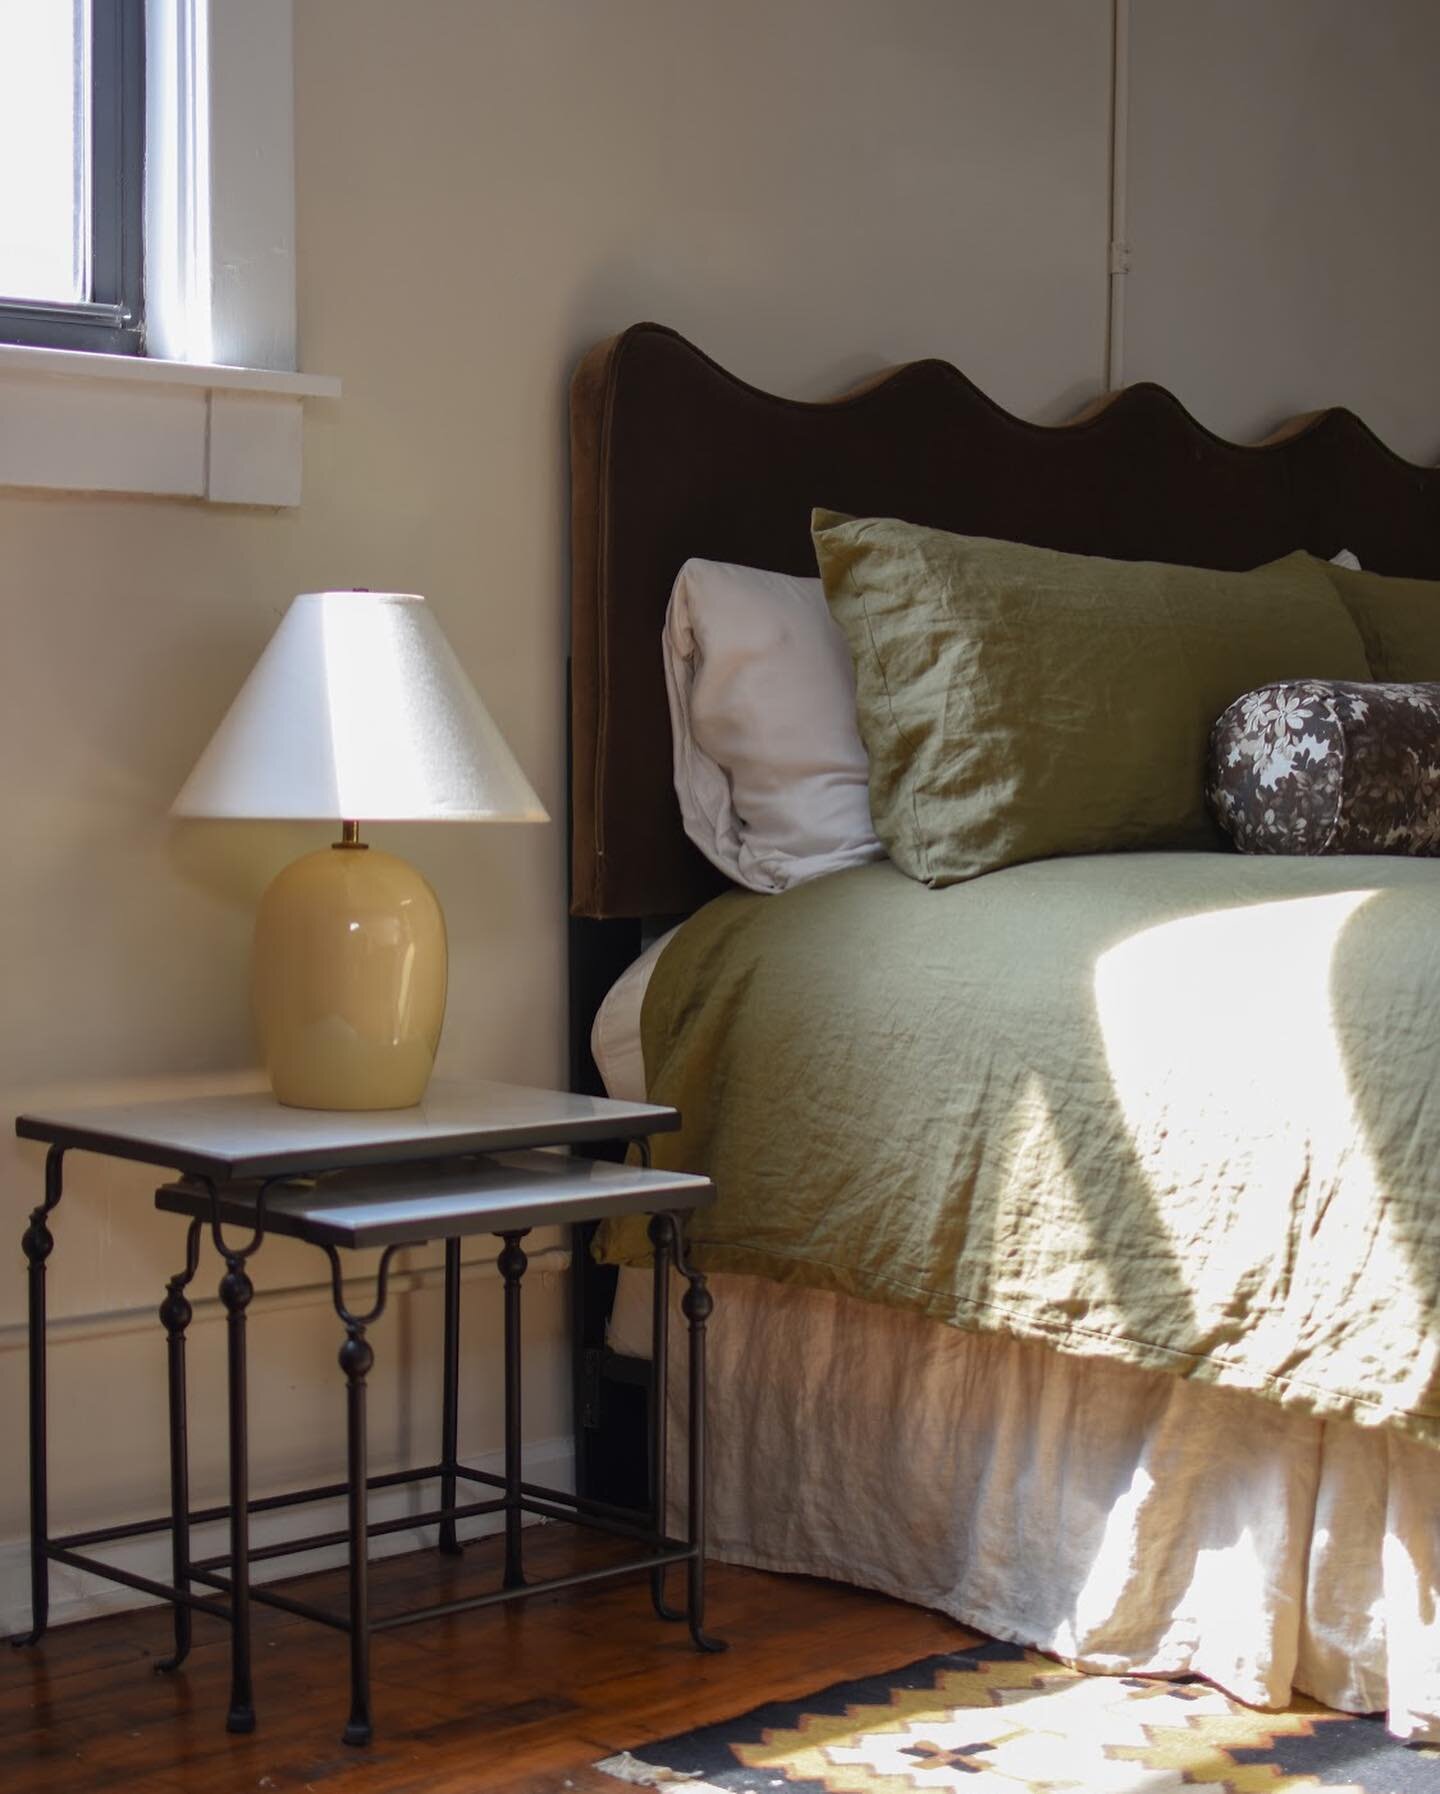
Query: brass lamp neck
350, 836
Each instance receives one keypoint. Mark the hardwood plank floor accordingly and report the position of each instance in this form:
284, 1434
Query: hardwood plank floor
514, 1700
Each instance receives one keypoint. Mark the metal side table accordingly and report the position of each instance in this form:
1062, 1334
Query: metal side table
505, 1195
219, 1142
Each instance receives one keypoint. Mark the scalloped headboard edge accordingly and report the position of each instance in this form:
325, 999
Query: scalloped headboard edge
671, 457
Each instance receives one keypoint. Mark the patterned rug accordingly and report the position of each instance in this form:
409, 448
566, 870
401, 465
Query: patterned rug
996, 1719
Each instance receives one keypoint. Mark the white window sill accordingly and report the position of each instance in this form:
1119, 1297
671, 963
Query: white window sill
125, 423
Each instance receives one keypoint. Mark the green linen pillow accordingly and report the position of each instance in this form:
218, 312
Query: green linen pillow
1018, 703
1398, 620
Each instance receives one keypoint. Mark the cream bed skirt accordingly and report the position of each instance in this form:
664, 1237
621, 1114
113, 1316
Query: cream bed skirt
1122, 1519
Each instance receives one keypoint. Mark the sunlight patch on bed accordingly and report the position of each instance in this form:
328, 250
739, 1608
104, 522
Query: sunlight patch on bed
1236, 999
1229, 1558
1226, 1062
1111, 1571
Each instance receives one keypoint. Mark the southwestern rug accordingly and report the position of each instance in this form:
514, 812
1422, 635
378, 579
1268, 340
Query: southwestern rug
997, 1719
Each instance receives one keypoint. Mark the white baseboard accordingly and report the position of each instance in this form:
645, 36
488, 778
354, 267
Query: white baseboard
75, 1595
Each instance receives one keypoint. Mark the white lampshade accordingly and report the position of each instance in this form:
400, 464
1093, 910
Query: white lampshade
359, 711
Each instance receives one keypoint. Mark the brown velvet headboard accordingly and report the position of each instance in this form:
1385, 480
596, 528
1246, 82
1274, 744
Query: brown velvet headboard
673, 457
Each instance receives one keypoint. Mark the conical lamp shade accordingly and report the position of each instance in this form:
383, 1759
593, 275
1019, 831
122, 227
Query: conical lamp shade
359, 710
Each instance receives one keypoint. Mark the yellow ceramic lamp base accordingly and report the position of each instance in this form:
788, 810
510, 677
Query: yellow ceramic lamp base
349, 978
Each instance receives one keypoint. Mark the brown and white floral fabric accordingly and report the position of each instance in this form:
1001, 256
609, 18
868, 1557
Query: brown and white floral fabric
1316, 766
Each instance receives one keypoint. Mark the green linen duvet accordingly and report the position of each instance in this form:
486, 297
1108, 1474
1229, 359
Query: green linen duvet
1178, 1109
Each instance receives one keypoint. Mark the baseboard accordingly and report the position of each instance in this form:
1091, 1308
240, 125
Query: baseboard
74, 1595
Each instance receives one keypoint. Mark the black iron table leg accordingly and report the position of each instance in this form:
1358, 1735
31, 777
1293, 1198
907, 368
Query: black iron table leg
37, 1243
175, 1316
450, 1417
356, 1359
662, 1240
697, 1306
512, 1262
236, 1292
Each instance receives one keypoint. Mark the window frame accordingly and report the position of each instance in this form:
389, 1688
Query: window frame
211, 408
112, 320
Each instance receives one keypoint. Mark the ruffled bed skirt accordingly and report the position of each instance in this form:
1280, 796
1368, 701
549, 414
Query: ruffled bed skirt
1122, 1519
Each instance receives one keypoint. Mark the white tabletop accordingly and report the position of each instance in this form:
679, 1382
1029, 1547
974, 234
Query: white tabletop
406, 1205
251, 1135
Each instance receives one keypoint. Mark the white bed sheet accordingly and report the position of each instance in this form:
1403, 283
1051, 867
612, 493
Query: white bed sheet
1124, 1519
615, 1034
618, 1055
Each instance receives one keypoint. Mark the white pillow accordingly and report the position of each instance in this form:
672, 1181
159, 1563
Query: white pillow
772, 779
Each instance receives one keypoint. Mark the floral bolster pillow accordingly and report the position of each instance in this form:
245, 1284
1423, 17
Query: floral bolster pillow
1314, 766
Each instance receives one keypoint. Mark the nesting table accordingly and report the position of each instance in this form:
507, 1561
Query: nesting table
480, 1158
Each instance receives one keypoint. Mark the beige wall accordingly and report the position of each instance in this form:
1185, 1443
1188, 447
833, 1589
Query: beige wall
810, 189
1283, 218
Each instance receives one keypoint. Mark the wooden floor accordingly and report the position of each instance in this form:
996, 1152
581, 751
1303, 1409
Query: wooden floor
524, 1697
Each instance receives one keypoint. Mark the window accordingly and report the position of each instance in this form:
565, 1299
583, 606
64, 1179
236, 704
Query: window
175, 118
72, 136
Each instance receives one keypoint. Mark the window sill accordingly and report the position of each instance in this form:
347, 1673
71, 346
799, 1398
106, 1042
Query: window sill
81, 422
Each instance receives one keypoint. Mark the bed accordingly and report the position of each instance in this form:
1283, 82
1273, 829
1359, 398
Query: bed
1126, 1517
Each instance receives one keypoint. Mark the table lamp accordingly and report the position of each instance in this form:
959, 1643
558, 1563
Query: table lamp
357, 712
